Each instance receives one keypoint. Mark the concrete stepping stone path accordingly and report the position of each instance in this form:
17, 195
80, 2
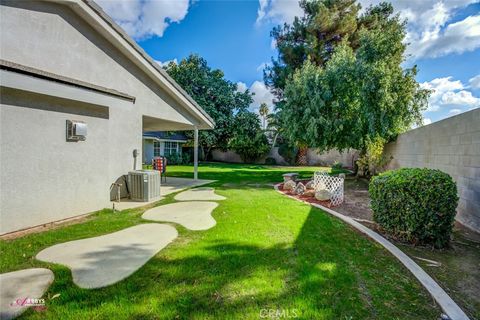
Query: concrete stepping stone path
19, 289
190, 214
101, 261
198, 194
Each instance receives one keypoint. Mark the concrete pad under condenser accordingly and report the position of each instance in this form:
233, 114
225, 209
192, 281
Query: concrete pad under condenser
198, 194
101, 261
190, 214
17, 286
172, 185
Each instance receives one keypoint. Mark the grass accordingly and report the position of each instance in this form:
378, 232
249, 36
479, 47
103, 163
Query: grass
458, 273
267, 255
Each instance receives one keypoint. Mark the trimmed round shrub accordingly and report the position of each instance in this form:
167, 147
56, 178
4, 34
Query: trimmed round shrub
270, 161
415, 205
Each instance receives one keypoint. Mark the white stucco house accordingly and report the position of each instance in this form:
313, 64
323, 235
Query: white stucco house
77, 94
161, 143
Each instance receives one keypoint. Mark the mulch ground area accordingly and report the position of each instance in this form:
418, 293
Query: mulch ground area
356, 203
307, 198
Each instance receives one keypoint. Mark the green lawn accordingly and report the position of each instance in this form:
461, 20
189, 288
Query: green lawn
267, 254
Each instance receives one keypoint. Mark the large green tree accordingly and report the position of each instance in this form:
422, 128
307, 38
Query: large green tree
216, 95
358, 99
248, 139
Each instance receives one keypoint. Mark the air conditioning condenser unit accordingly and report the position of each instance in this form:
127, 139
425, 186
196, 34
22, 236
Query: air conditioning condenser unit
144, 185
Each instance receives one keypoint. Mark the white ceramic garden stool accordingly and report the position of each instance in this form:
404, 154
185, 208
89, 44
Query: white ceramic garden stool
290, 176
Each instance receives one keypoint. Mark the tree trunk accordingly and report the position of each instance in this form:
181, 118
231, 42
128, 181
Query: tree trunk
359, 167
274, 140
207, 154
302, 156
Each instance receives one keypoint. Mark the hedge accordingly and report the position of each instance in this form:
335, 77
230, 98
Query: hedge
415, 205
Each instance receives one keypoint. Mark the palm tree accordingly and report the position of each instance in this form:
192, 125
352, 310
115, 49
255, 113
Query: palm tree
263, 110
274, 126
302, 159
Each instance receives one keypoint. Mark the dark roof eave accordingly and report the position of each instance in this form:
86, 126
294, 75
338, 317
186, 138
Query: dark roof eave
162, 135
166, 139
37, 73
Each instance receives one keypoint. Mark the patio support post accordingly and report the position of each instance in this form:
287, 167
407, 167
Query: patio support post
195, 154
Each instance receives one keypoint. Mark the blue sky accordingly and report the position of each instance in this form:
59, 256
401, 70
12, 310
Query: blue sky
234, 36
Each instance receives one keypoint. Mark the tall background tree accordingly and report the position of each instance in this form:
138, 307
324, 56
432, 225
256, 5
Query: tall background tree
215, 94
314, 36
339, 78
263, 111
235, 126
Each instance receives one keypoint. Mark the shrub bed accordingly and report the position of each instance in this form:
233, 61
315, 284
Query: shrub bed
270, 161
415, 205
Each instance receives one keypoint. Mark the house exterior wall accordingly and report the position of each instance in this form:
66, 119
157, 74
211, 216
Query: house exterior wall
148, 151
44, 178
453, 146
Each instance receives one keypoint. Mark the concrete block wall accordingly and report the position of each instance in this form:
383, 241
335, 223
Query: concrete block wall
226, 156
233, 157
314, 157
347, 158
453, 146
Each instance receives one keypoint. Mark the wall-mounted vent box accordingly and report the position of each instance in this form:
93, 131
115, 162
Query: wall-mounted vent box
76, 130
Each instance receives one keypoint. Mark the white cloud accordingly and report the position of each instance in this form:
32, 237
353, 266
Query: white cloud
475, 82
439, 87
145, 18
427, 121
262, 95
273, 44
428, 30
459, 37
263, 66
460, 98
278, 11
455, 111
448, 93
443, 84
165, 63
241, 87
